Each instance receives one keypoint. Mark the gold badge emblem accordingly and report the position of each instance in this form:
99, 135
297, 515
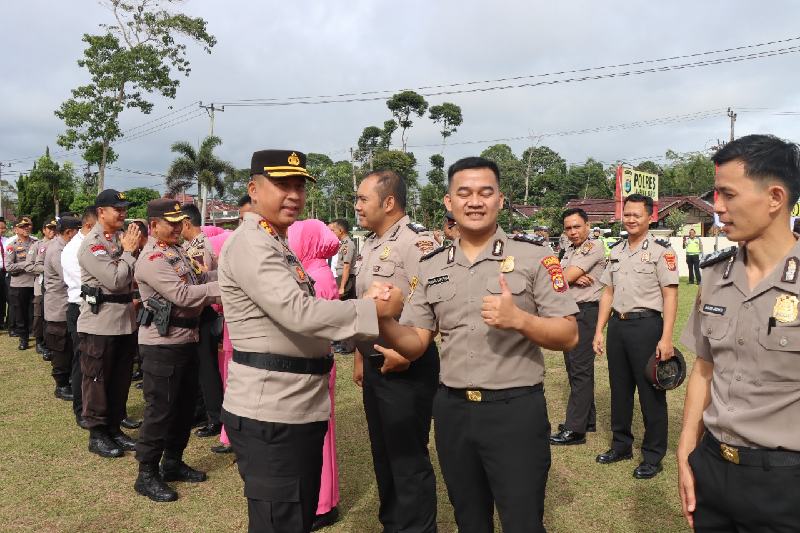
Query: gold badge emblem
177, 207
413, 286
121, 196
385, 253
785, 309
507, 265
645, 257
293, 160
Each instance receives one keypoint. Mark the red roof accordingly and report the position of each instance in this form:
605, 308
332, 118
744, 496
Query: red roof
600, 209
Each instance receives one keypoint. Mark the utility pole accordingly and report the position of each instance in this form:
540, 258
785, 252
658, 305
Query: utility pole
210, 109
732, 116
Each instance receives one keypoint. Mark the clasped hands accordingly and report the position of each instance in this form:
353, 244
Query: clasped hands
388, 299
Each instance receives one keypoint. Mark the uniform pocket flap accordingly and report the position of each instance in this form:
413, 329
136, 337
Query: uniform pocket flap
715, 327
786, 339
644, 268
384, 269
441, 292
273, 489
516, 283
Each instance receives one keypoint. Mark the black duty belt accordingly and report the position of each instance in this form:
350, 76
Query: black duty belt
586, 305
492, 395
635, 315
117, 298
188, 323
284, 363
763, 457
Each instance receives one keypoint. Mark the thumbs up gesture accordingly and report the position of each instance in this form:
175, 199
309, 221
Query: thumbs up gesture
501, 311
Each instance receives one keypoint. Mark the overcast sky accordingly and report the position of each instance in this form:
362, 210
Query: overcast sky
270, 49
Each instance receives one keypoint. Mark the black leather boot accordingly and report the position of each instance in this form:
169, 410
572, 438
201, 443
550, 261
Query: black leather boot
149, 483
102, 444
174, 469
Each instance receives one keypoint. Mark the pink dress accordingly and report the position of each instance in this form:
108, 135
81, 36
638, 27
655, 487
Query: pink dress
314, 244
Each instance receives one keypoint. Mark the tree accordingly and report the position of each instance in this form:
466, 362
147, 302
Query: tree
403, 105
449, 116
44, 189
135, 56
198, 166
676, 220
691, 174
235, 185
512, 171
547, 168
138, 197
431, 198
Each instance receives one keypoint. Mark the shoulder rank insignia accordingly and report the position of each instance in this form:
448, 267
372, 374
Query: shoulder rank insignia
369, 235
538, 240
790, 270
718, 256
586, 247
613, 244
662, 242
436, 251
417, 228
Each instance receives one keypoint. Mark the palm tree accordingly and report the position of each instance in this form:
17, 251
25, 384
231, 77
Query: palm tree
198, 166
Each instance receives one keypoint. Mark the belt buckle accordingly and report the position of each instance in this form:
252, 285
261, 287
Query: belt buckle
729, 453
623, 316
474, 395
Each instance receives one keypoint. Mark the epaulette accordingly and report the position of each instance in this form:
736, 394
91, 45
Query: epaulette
615, 243
718, 256
369, 235
538, 240
431, 254
663, 242
417, 228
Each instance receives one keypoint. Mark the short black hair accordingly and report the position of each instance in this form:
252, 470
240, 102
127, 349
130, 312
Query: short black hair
575, 211
766, 157
244, 200
343, 223
193, 212
142, 227
640, 199
390, 183
468, 163
89, 212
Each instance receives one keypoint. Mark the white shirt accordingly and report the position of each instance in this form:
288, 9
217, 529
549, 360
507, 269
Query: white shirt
71, 268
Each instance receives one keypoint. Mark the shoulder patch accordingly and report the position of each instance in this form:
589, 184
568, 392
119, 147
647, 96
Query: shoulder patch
417, 228
98, 249
425, 246
613, 244
538, 240
10, 248
662, 242
718, 256
431, 254
155, 256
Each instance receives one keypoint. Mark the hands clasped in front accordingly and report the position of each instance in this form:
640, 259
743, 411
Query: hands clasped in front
388, 299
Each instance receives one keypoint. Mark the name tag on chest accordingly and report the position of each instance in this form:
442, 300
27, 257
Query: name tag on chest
437, 280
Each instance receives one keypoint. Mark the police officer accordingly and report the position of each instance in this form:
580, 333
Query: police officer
106, 323
71, 270
694, 249
174, 290
583, 263
345, 274
641, 298
35, 265
397, 404
450, 229
21, 287
276, 406
495, 300
198, 248
739, 450
57, 339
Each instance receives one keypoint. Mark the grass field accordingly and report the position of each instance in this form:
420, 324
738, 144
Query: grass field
50, 482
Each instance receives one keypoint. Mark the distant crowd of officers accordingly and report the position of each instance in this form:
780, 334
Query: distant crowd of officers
451, 331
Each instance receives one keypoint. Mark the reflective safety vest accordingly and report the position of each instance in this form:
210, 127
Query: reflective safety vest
692, 246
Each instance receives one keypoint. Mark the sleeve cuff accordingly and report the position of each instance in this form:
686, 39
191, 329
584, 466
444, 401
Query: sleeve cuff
366, 326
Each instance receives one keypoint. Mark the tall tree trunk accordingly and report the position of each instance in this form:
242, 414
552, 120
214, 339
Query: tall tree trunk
101, 168
56, 203
205, 202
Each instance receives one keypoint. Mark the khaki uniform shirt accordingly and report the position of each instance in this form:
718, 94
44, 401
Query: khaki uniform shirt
591, 258
270, 307
167, 273
449, 297
104, 264
392, 258
16, 258
201, 251
347, 254
637, 276
753, 339
55, 290
34, 264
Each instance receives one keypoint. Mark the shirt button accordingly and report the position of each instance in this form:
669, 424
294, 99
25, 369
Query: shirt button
747, 305
738, 377
783, 341
730, 409
708, 331
471, 271
740, 341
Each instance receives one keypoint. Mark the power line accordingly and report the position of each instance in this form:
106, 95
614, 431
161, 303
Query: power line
426, 90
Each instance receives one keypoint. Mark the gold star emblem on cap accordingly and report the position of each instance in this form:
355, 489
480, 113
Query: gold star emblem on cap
177, 207
293, 159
